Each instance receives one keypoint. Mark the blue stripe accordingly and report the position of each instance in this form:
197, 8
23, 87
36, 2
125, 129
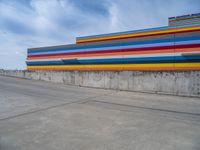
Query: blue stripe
116, 44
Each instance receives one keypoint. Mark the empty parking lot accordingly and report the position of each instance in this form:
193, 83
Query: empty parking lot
41, 115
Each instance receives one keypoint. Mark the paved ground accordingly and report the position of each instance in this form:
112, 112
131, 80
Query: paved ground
38, 115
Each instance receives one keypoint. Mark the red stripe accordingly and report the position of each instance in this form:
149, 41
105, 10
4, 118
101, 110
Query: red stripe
153, 34
121, 50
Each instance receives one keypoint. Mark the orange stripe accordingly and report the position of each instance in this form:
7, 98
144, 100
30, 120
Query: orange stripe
113, 69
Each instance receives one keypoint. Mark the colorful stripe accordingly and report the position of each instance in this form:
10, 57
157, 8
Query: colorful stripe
184, 20
166, 57
140, 34
153, 66
166, 48
172, 50
139, 44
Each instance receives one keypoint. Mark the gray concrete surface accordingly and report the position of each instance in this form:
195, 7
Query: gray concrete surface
38, 115
182, 83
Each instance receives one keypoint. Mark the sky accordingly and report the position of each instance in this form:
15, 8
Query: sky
35, 23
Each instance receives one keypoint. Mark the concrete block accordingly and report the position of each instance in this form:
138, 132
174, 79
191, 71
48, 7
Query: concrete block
182, 83
144, 81
69, 77
27, 75
35, 75
45, 76
84, 78
80, 78
114, 80
77, 77
107, 79
95, 79
165, 82
124, 77
56, 77
194, 83
185, 83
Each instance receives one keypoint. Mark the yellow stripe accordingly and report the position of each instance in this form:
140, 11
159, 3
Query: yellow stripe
187, 65
115, 66
140, 34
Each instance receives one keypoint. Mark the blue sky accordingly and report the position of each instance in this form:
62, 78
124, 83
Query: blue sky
34, 23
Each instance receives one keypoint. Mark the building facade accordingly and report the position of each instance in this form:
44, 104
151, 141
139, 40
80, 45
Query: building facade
172, 47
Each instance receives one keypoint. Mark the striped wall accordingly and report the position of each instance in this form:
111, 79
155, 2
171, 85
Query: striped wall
164, 48
184, 20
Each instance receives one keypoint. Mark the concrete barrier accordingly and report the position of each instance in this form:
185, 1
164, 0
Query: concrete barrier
182, 83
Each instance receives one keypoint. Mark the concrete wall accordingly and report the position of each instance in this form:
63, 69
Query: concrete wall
183, 83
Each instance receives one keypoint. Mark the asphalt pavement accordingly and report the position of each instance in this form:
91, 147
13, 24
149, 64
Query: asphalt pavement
38, 115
